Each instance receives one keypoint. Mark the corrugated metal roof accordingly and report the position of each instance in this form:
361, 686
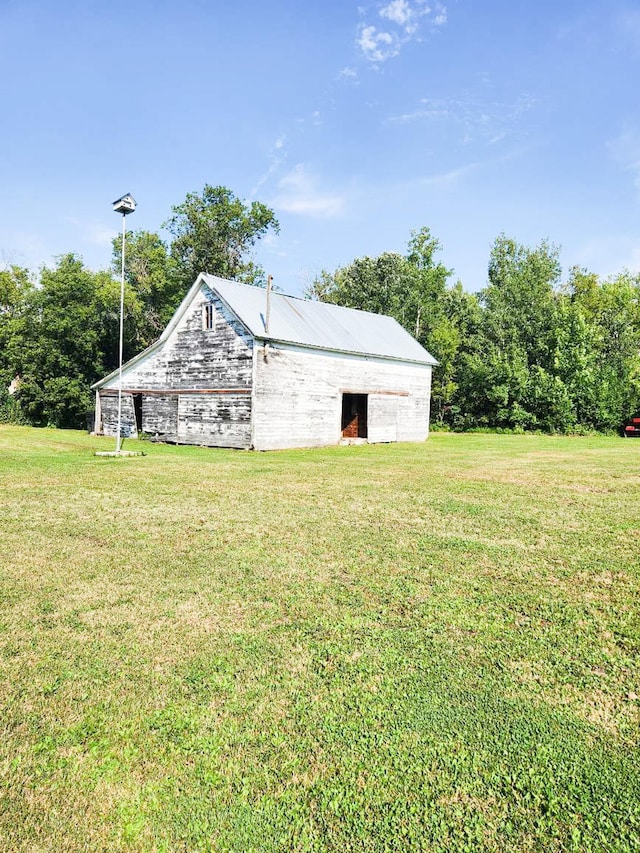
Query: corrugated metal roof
318, 324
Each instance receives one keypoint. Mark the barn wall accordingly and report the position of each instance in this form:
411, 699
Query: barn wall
298, 397
109, 414
160, 414
383, 417
215, 420
217, 363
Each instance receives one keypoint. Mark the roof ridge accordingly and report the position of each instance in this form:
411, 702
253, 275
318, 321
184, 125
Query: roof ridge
320, 325
302, 298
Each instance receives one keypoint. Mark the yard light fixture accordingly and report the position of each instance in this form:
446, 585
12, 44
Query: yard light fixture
125, 206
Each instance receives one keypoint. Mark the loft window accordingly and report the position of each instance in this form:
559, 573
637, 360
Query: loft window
208, 316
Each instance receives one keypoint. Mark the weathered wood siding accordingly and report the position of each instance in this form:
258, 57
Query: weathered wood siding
109, 410
298, 397
160, 414
217, 363
383, 417
215, 420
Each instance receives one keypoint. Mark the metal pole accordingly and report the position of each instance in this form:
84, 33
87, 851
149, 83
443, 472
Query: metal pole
268, 317
119, 437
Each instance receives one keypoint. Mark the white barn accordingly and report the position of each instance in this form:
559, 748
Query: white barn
224, 374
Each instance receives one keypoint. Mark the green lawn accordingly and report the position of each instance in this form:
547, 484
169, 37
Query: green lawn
387, 648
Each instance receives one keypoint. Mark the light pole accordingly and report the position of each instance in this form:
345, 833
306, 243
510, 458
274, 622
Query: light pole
124, 205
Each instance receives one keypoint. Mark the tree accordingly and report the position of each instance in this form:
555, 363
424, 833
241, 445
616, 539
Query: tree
151, 275
520, 299
64, 338
215, 232
382, 285
455, 355
412, 288
15, 288
609, 313
408, 287
514, 370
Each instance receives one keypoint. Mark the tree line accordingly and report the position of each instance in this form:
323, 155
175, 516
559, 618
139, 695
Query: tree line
529, 352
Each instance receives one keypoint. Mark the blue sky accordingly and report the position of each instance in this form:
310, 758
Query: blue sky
357, 122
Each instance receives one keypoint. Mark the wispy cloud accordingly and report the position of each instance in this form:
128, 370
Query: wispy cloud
94, 233
609, 254
348, 73
377, 45
400, 12
445, 179
26, 249
625, 151
272, 244
99, 235
299, 192
475, 117
276, 156
396, 23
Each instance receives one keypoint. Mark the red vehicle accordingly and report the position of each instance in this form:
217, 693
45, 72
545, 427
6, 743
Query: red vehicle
632, 429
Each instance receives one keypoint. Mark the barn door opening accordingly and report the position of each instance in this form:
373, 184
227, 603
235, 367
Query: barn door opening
354, 415
137, 408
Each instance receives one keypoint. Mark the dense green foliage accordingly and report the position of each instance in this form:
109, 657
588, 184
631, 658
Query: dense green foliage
527, 352
57, 338
15, 288
214, 232
151, 275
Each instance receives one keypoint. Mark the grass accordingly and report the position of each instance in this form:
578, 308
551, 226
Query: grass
388, 648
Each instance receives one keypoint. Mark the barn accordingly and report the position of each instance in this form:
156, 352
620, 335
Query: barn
235, 368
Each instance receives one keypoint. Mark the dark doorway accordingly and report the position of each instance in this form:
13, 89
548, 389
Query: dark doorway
354, 415
137, 408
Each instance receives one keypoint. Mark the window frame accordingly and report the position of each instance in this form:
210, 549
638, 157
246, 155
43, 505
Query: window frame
208, 317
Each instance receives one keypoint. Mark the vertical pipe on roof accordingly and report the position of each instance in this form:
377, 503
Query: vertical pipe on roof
268, 317
267, 314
